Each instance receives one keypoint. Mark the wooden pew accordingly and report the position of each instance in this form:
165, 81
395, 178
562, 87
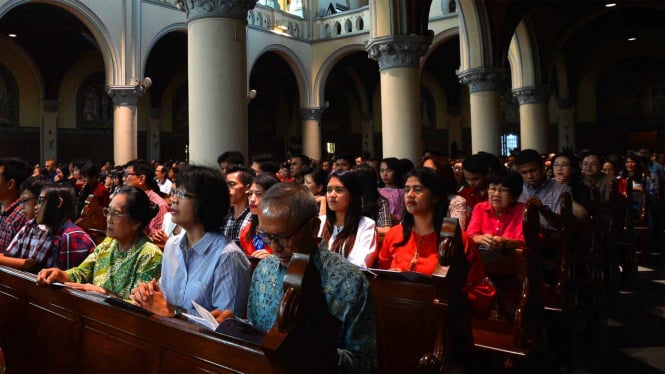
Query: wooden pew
513, 336
413, 314
45, 329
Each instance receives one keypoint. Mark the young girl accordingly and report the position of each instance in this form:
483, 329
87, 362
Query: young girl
344, 228
390, 187
252, 243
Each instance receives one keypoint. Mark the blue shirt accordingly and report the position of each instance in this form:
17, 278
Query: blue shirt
214, 273
349, 300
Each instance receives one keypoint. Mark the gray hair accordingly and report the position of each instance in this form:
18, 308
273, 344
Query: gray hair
294, 199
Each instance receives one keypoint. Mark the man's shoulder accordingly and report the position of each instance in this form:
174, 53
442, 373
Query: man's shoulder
340, 270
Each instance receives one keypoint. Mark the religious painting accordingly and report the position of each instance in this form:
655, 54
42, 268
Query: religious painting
94, 107
9, 98
180, 111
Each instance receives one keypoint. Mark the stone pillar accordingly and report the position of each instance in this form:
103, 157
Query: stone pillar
311, 132
533, 118
49, 132
125, 99
566, 124
484, 92
217, 77
154, 142
367, 126
399, 66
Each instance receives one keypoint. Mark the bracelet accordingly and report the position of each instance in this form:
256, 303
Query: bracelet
178, 311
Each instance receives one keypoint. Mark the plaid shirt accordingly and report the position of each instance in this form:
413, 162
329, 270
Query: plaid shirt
11, 221
74, 245
383, 216
33, 241
234, 226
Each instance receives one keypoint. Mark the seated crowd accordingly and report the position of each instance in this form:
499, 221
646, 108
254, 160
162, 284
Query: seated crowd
178, 234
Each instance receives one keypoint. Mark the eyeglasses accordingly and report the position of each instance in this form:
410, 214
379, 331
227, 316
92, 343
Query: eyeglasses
114, 214
22, 202
126, 174
592, 163
281, 240
562, 165
41, 200
181, 194
501, 190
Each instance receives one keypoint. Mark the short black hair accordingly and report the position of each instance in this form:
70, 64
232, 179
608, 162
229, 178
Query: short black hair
211, 194
303, 158
231, 157
90, 169
139, 206
511, 180
54, 217
246, 174
35, 184
528, 156
16, 169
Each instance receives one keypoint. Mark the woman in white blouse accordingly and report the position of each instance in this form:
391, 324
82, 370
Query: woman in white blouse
343, 227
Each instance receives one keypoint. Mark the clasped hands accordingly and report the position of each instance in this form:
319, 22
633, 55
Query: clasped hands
494, 243
148, 295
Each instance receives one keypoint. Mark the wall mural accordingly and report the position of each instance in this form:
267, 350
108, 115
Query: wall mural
94, 107
9, 98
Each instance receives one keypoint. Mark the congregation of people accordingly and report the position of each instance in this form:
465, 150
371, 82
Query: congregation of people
179, 233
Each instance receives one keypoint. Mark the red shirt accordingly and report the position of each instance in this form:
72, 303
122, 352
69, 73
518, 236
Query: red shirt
507, 225
391, 257
249, 246
472, 197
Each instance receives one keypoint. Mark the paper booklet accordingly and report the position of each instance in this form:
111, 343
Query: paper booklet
206, 319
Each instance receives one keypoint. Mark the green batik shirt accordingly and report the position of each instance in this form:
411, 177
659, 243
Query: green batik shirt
117, 271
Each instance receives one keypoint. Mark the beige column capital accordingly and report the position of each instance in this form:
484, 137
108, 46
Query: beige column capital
532, 95
125, 95
313, 114
483, 79
196, 9
399, 51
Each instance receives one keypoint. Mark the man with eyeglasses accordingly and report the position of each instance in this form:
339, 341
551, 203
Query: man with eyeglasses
31, 248
593, 177
289, 220
138, 173
13, 172
532, 169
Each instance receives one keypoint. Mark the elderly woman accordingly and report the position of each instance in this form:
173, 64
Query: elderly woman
413, 244
200, 264
497, 222
125, 258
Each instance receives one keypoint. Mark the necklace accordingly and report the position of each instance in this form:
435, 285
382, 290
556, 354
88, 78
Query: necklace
414, 260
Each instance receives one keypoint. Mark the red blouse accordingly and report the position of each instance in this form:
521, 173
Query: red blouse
480, 293
507, 225
249, 245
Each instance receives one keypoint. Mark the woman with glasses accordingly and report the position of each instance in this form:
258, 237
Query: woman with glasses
30, 249
343, 228
413, 244
125, 258
496, 224
566, 169
254, 243
201, 264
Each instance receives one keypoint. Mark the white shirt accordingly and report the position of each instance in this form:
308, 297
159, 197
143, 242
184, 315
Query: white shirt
364, 251
166, 186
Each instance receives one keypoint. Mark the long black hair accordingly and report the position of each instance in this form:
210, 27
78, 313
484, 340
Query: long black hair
433, 181
347, 236
265, 181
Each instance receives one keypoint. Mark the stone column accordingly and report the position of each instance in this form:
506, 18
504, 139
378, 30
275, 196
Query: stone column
125, 99
311, 132
217, 77
49, 131
484, 92
399, 66
533, 118
566, 124
154, 142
